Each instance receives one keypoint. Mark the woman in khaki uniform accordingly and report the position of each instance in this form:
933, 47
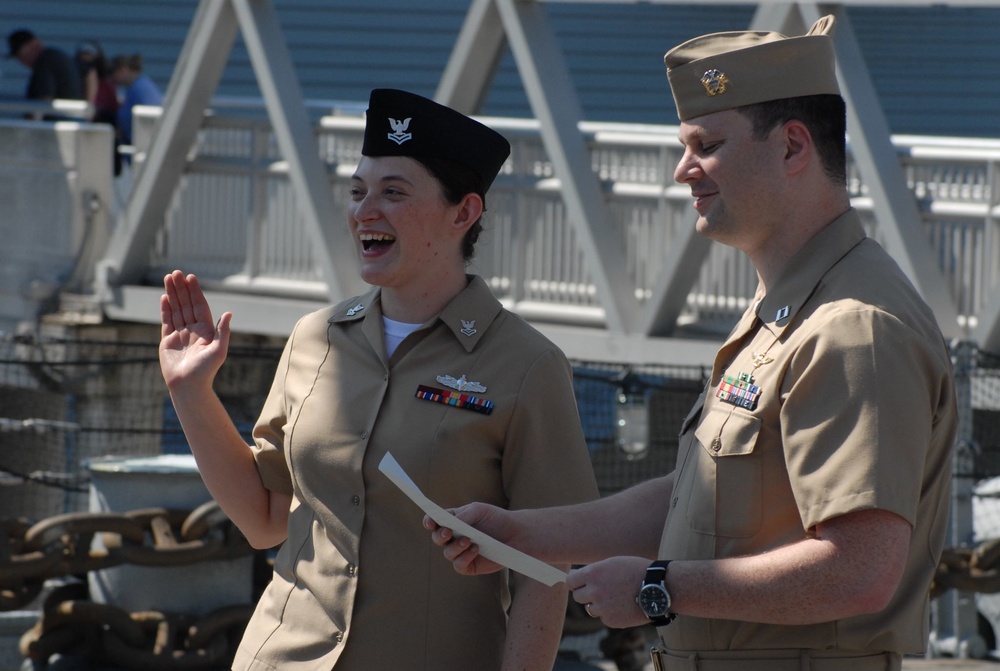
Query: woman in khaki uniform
472, 402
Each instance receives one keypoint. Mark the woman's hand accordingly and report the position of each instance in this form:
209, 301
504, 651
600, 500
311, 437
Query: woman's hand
192, 346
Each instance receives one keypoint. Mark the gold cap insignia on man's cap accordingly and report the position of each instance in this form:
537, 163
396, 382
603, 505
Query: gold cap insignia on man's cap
714, 82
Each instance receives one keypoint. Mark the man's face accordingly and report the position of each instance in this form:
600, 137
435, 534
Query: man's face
731, 175
27, 53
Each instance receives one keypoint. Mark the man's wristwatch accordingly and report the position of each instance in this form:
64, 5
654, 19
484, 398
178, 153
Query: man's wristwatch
654, 599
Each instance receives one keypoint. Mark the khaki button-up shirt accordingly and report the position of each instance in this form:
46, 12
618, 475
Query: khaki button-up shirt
833, 394
358, 583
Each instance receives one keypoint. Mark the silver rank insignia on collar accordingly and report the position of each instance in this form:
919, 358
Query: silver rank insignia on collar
461, 384
782, 313
469, 327
355, 310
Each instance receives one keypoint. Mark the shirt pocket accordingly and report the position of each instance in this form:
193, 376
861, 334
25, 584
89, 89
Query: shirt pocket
726, 479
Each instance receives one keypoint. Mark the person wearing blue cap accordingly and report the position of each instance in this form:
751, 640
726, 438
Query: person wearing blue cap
803, 524
472, 402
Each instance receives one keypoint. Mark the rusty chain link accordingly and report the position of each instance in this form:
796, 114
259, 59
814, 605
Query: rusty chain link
969, 569
65, 545
145, 641
77, 543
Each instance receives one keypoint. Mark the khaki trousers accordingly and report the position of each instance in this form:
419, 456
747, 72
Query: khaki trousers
773, 660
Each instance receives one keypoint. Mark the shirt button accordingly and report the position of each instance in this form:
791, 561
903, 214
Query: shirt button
340, 637
352, 570
364, 433
716, 444
356, 500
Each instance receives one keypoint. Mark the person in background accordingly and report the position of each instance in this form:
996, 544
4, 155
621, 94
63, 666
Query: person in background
98, 85
126, 70
53, 74
809, 507
472, 402
100, 89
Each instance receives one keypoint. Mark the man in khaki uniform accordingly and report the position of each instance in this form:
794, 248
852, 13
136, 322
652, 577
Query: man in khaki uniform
803, 524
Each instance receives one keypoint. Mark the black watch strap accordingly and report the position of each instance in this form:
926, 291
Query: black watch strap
657, 574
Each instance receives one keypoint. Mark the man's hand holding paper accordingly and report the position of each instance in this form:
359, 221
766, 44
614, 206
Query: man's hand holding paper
460, 550
472, 550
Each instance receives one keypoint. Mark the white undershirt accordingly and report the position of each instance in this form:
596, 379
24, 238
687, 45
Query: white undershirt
395, 332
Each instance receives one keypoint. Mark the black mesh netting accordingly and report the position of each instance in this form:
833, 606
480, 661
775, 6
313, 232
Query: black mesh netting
984, 387
65, 401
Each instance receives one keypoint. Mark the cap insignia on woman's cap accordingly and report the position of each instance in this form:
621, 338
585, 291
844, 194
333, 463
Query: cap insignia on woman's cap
399, 134
423, 129
722, 71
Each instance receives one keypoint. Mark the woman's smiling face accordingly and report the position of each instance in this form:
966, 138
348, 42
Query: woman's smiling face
399, 220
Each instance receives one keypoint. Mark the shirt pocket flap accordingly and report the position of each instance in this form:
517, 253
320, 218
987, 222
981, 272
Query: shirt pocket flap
727, 432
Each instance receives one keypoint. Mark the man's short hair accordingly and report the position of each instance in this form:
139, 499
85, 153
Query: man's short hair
824, 115
16, 40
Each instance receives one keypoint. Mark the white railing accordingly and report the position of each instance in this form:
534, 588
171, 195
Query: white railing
234, 218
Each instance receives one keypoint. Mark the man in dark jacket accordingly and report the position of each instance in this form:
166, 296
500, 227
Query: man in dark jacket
53, 74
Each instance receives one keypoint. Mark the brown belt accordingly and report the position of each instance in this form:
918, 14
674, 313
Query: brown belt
773, 660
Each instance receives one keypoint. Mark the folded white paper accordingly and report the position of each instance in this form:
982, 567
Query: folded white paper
489, 547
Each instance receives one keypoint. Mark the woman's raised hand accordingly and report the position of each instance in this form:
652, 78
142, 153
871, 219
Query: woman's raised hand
192, 346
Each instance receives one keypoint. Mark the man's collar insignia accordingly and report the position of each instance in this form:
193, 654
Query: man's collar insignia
469, 327
714, 82
399, 134
355, 310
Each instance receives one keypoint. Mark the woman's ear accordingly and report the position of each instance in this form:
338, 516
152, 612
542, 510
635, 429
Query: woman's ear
468, 212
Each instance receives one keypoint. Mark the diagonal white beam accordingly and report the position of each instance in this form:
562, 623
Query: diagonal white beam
782, 17
554, 103
871, 145
673, 284
203, 58
474, 59
195, 79
689, 250
987, 331
333, 249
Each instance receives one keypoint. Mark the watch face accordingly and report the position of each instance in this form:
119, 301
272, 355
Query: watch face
654, 601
